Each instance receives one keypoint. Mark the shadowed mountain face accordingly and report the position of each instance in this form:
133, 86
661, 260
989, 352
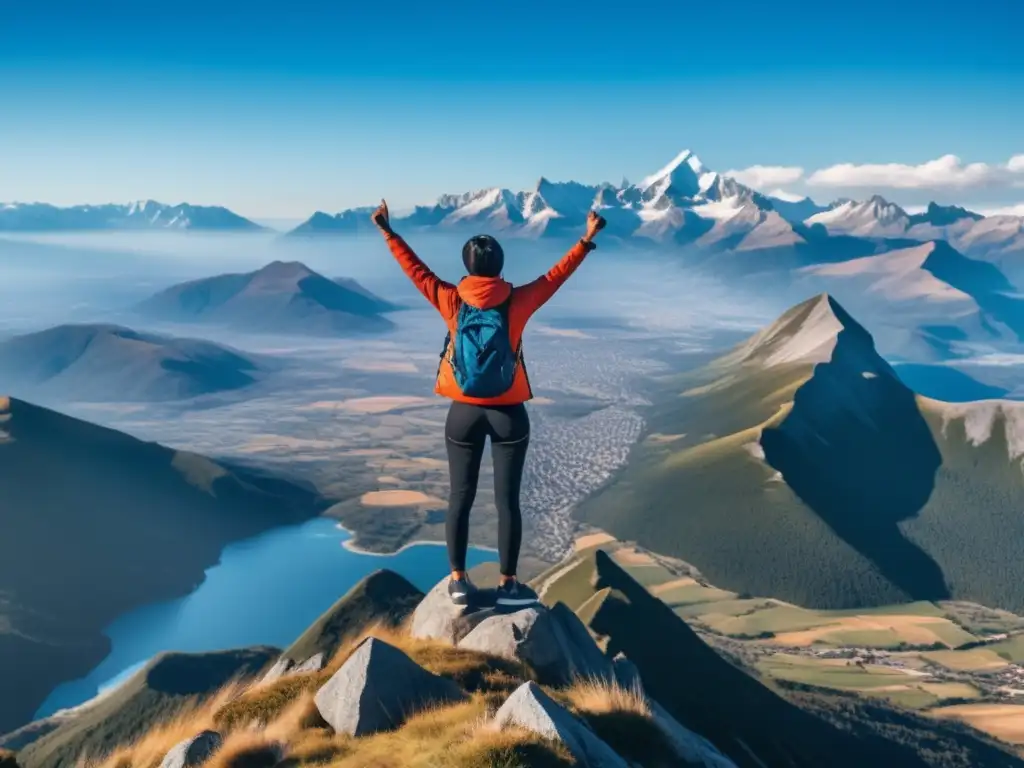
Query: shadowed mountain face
733, 708
856, 450
97, 523
282, 297
743, 718
109, 362
800, 466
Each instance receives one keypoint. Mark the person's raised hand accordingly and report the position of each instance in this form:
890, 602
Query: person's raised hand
381, 218
595, 223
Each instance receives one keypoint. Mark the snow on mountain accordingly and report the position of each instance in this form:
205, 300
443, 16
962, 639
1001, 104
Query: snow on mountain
874, 217
686, 203
142, 214
682, 202
684, 177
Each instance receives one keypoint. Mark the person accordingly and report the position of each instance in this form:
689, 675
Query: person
483, 372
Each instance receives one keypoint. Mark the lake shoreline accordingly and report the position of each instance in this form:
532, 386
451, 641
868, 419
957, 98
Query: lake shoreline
264, 590
352, 546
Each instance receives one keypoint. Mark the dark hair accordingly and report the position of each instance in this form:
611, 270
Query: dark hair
483, 256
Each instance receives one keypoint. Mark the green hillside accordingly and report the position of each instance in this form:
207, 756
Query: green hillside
97, 523
799, 466
154, 694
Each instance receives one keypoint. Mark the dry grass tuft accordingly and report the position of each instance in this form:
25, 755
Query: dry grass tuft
453, 737
474, 672
509, 748
621, 717
149, 750
7, 758
600, 697
261, 722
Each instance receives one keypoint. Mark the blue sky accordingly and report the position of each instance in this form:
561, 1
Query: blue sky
279, 109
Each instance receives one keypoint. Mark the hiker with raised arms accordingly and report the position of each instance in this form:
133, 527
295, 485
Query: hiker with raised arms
483, 373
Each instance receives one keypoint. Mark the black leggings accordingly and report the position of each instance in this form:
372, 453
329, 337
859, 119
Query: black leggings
466, 431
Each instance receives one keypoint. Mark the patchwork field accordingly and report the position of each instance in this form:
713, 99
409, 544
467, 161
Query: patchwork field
1004, 721
911, 655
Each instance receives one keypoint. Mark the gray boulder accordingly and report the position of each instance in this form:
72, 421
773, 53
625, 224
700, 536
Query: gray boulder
279, 670
530, 708
553, 642
193, 752
313, 664
378, 688
584, 654
437, 618
285, 667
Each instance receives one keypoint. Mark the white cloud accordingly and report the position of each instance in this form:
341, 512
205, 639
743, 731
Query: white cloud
946, 172
784, 195
761, 176
1010, 210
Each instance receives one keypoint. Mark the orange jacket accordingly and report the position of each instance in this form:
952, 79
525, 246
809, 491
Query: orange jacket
486, 292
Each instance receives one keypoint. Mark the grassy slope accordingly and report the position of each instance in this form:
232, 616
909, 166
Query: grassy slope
162, 689
702, 689
382, 597
707, 499
97, 523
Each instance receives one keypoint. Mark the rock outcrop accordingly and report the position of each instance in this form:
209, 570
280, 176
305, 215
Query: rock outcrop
530, 708
438, 618
548, 640
193, 752
285, 667
377, 688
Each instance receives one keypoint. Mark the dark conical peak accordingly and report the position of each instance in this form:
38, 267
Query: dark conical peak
943, 215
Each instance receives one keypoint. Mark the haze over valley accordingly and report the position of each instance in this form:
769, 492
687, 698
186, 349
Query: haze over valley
795, 418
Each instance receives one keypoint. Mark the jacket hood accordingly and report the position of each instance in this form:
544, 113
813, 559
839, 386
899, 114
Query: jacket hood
484, 292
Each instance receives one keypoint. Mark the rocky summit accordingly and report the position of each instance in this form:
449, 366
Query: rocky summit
599, 674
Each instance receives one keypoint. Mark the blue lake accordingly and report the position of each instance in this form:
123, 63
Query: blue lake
265, 591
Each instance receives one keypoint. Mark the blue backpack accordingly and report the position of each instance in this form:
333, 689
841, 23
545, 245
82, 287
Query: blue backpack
481, 356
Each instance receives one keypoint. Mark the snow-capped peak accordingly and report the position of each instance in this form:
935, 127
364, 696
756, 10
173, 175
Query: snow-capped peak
875, 216
685, 175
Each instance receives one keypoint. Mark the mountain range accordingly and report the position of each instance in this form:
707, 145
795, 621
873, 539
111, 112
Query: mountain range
282, 297
686, 203
800, 465
96, 362
97, 523
140, 215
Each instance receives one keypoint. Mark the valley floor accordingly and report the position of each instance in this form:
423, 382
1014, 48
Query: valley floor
948, 660
359, 420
